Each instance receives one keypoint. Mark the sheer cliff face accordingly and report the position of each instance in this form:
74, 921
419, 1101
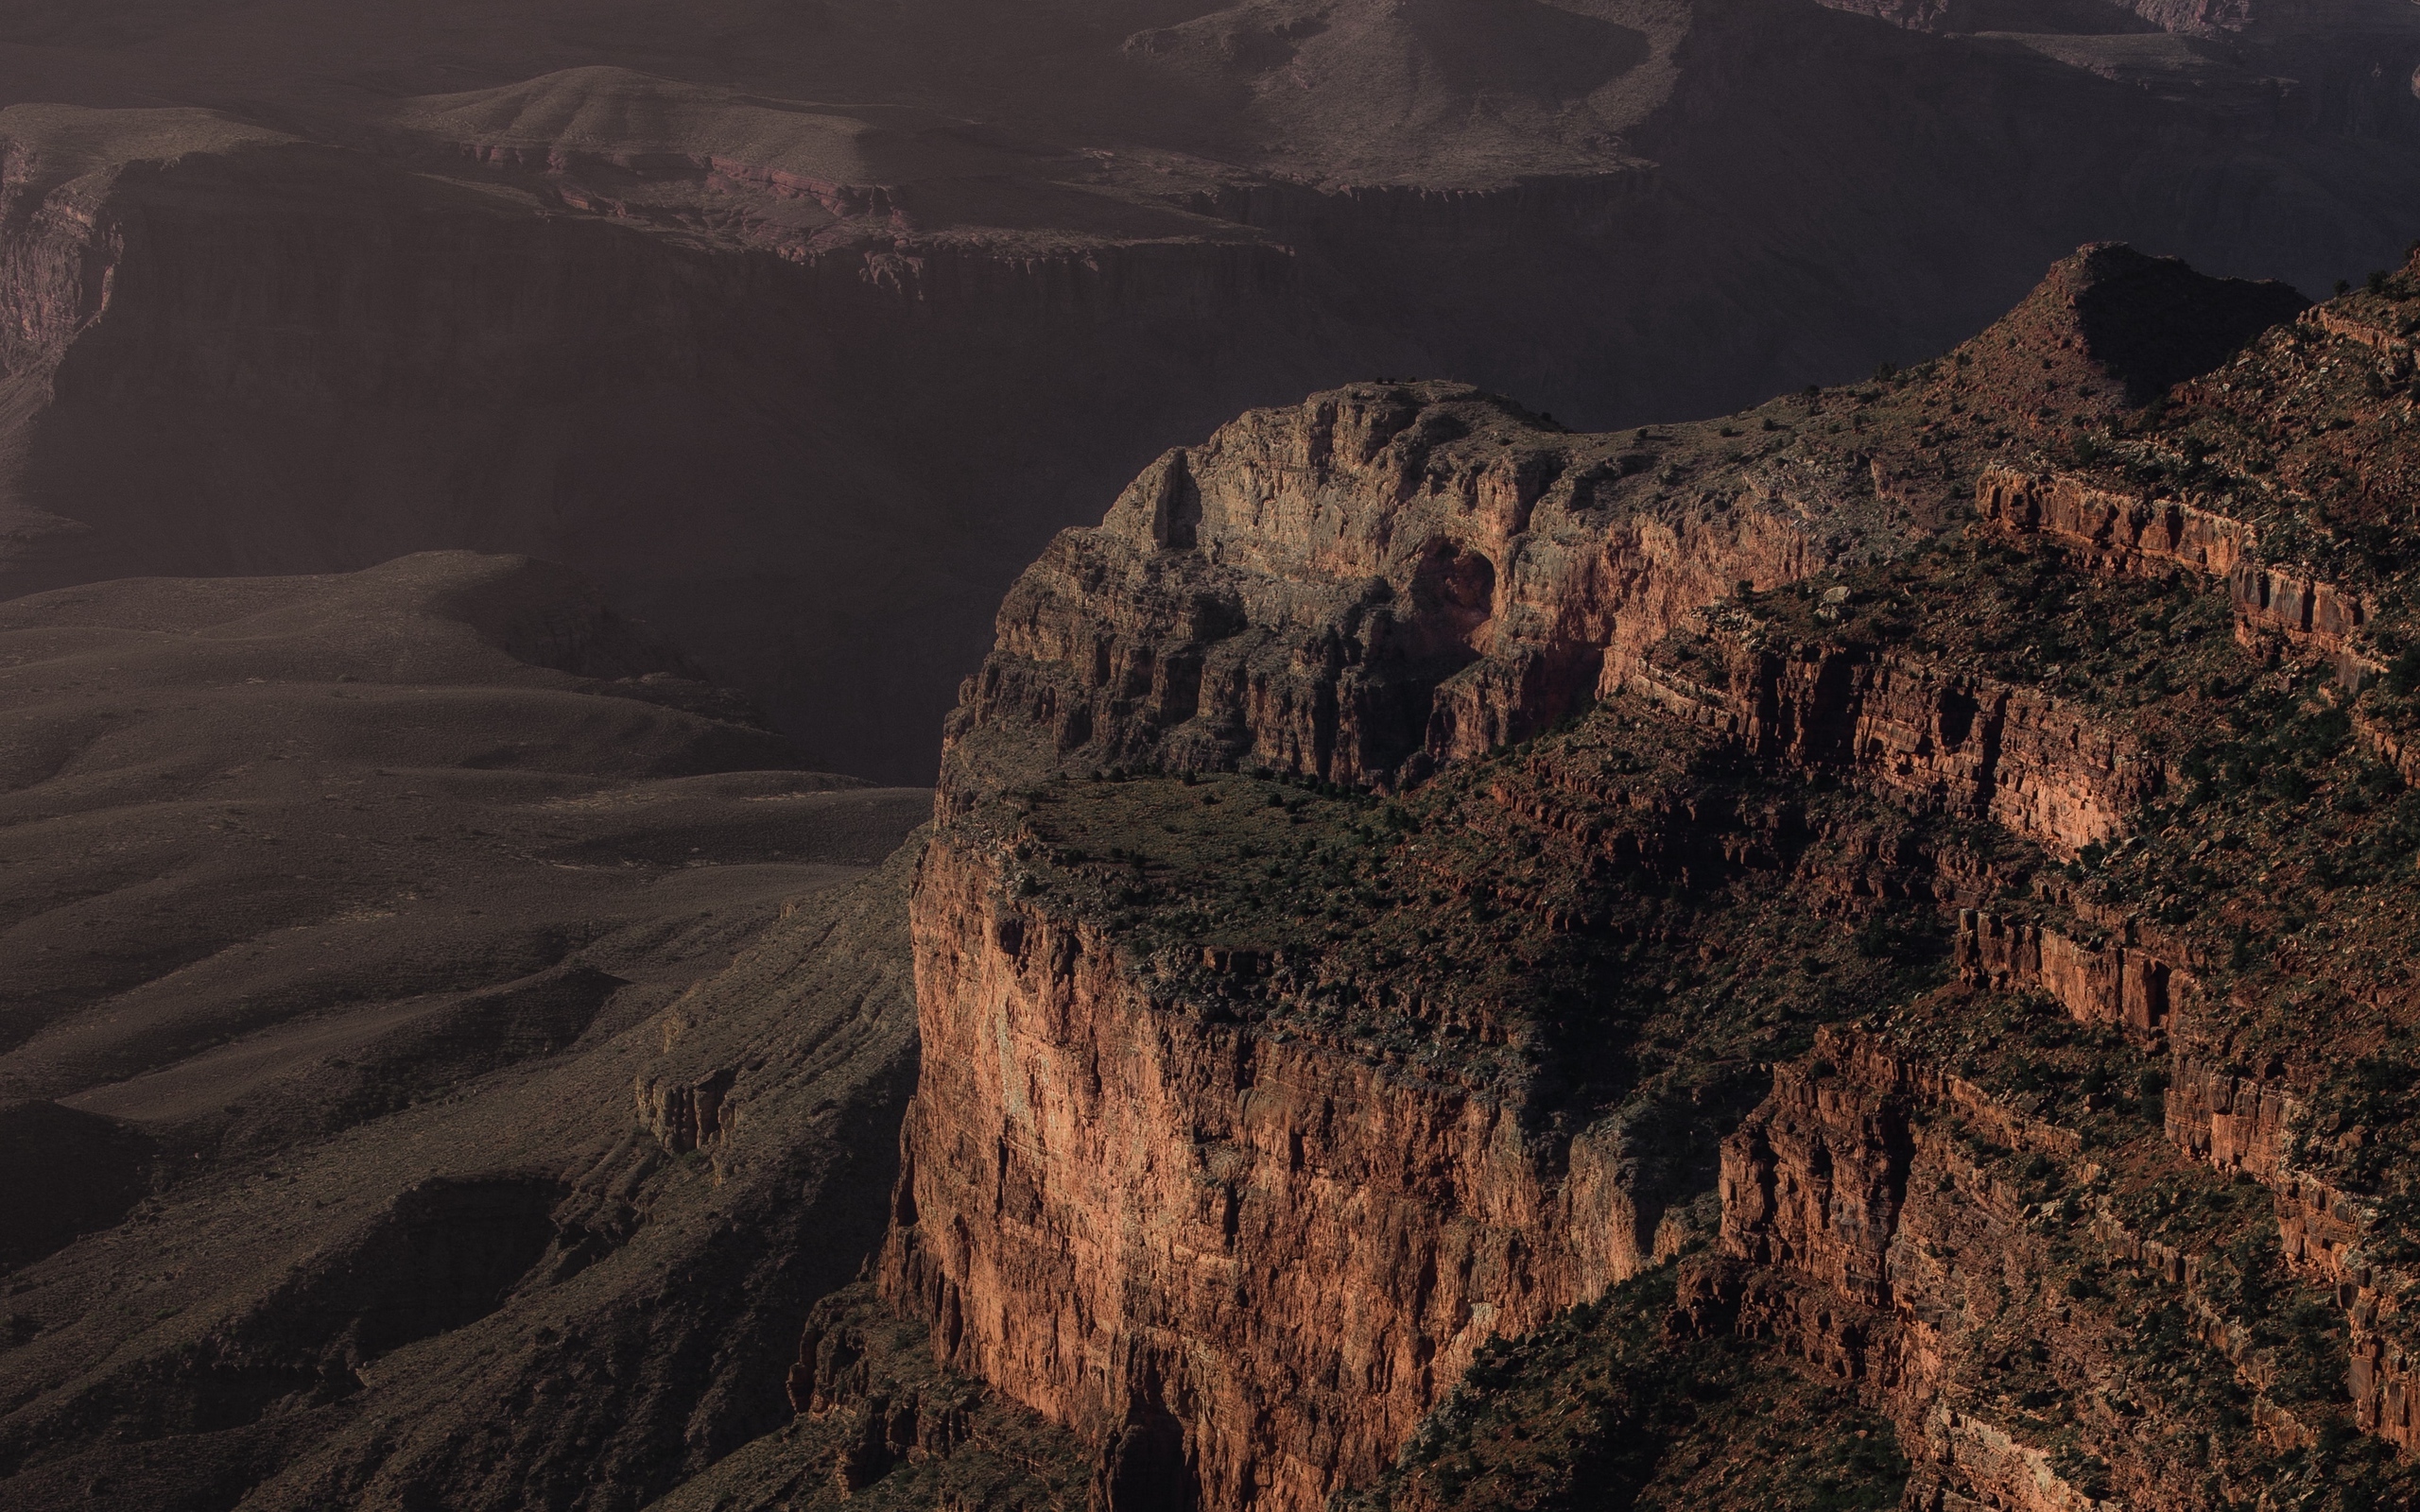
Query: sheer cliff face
1411, 873
1359, 590
1252, 1312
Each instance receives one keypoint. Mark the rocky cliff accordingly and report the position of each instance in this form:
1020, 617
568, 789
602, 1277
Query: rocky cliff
1413, 877
1255, 1313
1512, 816
1378, 580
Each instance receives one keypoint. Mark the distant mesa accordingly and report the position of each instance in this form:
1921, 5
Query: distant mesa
641, 122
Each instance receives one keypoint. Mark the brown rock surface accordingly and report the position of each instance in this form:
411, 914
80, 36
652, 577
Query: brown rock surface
2127, 533
1261, 1312
1942, 739
1383, 579
2112, 982
880, 1425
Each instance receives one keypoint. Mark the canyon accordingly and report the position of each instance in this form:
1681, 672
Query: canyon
1848, 953
701, 305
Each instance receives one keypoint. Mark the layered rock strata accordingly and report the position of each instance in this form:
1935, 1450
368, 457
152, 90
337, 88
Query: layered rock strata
1371, 858
1860, 1233
1381, 579
2118, 533
2113, 982
1937, 737
1856, 1188
2114, 531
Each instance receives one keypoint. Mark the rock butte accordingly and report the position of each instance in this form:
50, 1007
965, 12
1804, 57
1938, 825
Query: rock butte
1232, 1153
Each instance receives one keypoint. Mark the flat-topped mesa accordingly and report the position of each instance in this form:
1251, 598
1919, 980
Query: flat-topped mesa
1359, 587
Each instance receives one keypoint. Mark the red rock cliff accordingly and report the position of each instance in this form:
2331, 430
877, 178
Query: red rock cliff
1245, 1258
1938, 737
1247, 1262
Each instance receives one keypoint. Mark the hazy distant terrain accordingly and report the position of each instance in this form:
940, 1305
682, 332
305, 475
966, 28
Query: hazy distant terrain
255, 823
800, 327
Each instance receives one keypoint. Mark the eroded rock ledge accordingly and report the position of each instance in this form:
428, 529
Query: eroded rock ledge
1381, 579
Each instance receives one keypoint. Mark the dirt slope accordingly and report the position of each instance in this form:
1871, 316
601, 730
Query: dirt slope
421, 989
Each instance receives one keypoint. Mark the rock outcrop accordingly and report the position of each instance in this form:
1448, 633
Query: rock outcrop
1382, 580
1942, 739
2115, 532
2118, 533
1412, 874
1851, 1186
1859, 1234
2110, 982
